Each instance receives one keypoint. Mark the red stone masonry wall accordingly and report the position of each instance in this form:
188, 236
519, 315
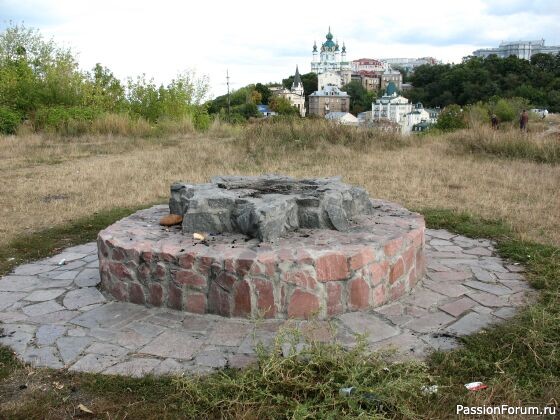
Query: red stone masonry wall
312, 273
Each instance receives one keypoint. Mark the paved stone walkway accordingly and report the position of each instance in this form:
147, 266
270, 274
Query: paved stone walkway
53, 315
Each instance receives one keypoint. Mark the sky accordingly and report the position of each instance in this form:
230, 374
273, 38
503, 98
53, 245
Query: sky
260, 41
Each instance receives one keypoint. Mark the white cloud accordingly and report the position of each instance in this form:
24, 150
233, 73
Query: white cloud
263, 41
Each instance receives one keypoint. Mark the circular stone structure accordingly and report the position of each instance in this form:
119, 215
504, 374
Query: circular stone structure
262, 255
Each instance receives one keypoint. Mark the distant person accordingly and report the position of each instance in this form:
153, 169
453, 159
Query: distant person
523, 120
495, 122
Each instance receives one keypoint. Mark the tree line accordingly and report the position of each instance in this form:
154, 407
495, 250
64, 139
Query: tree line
483, 79
42, 86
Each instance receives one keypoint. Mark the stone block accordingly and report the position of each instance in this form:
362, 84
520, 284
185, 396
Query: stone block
331, 267
303, 305
358, 294
397, 270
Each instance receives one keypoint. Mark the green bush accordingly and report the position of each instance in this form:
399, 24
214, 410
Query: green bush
9, 120
451, 118
507, 109
65, 120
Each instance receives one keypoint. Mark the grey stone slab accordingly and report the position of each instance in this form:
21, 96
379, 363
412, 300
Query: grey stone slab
135, 367
174, 344
440, 233
77, 332
198, 324
48, 283
42, 308
68, 256
458, 306
516, 285
85, 296
93, 264
510, 276
47, 334
93, 363
478, 251
250, 342
147, 330
505, 312
405, 344
495, 289
7, 299
12, 316
229, 334
373, 327
113, 314
63, 274
441, 342
489, 299
13, 283
32, 269
74, 265
90, 307
88, 277
447, 276
450, 248
16, 336
213, 358
132, 339
424, 298
470, 323
107, 349
432, 322
71, 347
515, 268
483, 275
449, 289
58, 317
169, 367
89, 248
492, 265
42, 357
44, 295
440, 242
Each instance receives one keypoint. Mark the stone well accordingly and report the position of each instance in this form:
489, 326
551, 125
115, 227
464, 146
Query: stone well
274, 247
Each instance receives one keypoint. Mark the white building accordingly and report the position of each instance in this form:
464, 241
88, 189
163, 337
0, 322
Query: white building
520, 49
391, 107
409, 64
295, 95
329, 78
344, 118
331, 58
368, 64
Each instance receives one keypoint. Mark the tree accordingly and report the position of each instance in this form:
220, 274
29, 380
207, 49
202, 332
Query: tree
360, 98
309, 81
264, 91
282, 106
451, 118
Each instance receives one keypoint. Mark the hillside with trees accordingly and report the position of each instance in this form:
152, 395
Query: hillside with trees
481, 79
42, 86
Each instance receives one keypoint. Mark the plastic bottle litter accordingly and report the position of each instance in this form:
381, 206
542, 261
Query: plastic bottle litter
344, 392
198, 236
62, 262
429, 390
475, 386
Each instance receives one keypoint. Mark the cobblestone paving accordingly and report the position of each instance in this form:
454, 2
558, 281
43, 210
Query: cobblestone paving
53, 315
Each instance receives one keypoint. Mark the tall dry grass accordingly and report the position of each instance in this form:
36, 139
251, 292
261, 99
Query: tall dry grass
508, 143
47, 181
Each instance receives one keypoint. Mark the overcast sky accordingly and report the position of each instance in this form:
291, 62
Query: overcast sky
262, 41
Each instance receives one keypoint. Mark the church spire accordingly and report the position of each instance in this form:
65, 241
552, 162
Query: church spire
297, 79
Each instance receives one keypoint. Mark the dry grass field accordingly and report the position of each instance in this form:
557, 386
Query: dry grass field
71, 184
47, 181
